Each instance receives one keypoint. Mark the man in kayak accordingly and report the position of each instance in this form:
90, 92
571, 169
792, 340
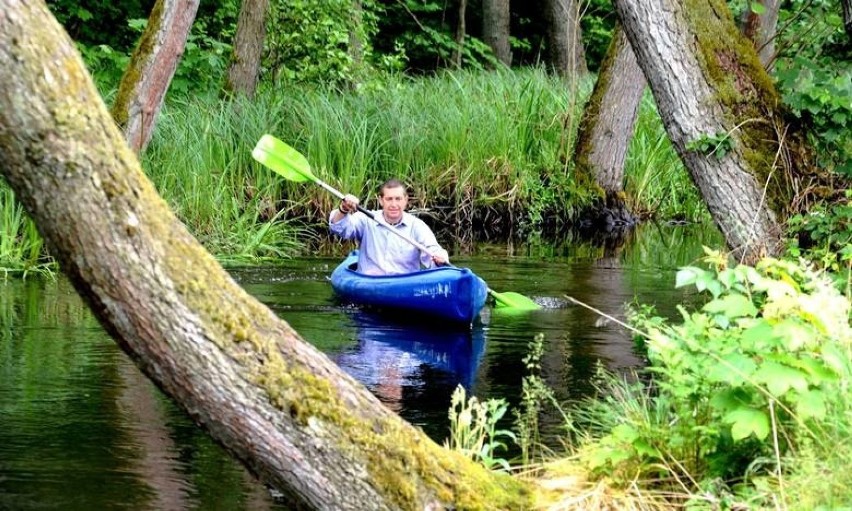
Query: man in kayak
380, 251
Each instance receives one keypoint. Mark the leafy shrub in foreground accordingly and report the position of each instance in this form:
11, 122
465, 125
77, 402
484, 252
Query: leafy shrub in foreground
761, 368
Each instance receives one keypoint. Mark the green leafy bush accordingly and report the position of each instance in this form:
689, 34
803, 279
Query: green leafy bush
760, 369
824, 235
818, 94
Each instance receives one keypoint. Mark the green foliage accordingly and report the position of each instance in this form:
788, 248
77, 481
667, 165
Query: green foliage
93, 23
203, 65
597, 24
309, 42
818, 95
105, 64
21, 247
759, 371
473, 429
824, 235
717, 144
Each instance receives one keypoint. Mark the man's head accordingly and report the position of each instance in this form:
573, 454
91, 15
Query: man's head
393, 197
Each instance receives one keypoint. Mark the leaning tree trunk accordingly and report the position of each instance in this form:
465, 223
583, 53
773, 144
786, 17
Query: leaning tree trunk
608, 122
248, 48
152, 67
564, 38
760, 28
278, 404
495, 29
722, 115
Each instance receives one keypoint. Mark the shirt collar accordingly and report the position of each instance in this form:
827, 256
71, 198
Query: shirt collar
402, 221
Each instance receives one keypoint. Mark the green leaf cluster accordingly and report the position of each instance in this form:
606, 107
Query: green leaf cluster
824, 235
761, 367
716, 144
819, 94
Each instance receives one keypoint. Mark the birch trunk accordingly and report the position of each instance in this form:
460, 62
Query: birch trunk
152, 67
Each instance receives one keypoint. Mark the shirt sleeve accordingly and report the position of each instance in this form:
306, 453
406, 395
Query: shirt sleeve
350, 227
424, 235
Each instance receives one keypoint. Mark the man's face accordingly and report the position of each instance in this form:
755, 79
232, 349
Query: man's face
393, 202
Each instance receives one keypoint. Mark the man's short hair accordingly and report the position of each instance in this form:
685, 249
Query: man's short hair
392, 183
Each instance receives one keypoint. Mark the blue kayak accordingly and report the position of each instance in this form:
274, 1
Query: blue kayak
448, 293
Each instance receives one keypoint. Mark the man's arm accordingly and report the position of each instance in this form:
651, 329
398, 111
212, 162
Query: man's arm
424, 235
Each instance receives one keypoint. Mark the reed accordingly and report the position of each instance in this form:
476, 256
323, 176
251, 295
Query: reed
465, 142
656, 182
21, 248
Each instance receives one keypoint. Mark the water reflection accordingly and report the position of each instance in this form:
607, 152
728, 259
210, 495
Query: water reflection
412, 367
81, 429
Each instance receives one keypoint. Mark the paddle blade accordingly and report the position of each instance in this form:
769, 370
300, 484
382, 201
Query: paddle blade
282, 159
513, 300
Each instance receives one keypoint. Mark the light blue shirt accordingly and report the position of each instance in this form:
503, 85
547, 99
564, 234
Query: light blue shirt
381, 252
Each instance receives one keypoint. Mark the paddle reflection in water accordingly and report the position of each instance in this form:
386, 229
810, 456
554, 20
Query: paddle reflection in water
412, 363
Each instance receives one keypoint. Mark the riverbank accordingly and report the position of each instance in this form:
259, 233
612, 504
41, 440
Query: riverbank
483, 152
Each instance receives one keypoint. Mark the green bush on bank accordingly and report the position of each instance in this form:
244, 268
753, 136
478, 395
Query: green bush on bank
747, 397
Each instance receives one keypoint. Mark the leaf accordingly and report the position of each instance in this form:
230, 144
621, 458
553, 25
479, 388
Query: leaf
816, 369
811, 404
757, 8
729, 399
794, 335
645, 449
748, 421
688, 275
625, 433
759, 336
733, 306
780, 378
734, 369
835, 359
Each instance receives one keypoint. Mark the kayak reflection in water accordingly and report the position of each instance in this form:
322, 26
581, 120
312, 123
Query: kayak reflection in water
390, 359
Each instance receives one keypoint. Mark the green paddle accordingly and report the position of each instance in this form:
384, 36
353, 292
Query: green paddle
292, 165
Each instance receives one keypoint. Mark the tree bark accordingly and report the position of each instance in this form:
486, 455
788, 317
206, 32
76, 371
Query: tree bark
760, 28
495, 29
152, 67
461, 33
564, 37
607, 125
357, 43
282, 407
248, 48
847, 17
712, 94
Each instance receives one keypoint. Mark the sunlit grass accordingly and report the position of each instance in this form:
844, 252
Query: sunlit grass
656, 181
465, 142
21, 247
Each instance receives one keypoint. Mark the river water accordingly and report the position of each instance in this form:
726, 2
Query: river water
82, 429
